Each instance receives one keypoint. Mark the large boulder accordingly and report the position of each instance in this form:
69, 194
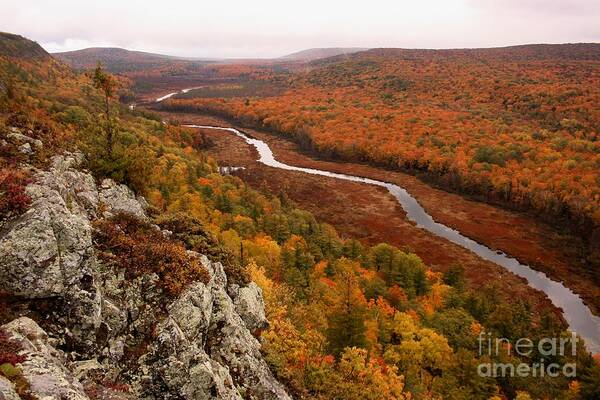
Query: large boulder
49, 248
204, 349
47, 253
230, 343
119, 198
250, 306
180, 368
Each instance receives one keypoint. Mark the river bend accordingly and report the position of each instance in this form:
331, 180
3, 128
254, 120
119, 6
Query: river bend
575, 312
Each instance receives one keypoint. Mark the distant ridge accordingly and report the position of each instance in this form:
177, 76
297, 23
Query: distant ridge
526, 52
116, 59
119, 60
12, 45
318, 53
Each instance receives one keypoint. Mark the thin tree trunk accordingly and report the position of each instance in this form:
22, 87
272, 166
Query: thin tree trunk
109, 135
242, 254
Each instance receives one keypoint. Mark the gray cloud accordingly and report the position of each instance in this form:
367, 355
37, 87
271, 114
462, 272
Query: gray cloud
272, 27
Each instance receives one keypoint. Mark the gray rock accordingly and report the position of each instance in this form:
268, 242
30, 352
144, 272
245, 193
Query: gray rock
215, 270
249, 304
116, 350
44, 251
231, 344
204, 349
25, 148
197, 346
192, 311
113, 317
47, 252
7, 390
86, 368
185, 369
44, 368
119, 198
16, 137
143, 202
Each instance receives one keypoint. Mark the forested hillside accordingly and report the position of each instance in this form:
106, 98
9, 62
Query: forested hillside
346, 321
515, 125
16, 46
319, 53
120, 60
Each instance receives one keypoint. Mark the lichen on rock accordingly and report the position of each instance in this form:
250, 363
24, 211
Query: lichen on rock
109, 336
44, 368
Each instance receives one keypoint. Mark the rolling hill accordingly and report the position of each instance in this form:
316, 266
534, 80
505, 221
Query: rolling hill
527, 52
318, 53
12, 45
118, 60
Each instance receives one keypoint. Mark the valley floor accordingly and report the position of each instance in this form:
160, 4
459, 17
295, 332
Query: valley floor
372, 215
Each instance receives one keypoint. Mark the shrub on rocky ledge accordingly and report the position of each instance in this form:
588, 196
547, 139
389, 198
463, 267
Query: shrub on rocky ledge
13, 199
9, 360
191, 232
8, 350
140, 248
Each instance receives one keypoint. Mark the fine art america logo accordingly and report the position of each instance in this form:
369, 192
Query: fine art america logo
550, 348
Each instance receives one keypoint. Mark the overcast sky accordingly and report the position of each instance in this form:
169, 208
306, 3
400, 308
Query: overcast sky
268, 28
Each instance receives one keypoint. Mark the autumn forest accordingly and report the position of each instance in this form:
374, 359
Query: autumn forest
500, 144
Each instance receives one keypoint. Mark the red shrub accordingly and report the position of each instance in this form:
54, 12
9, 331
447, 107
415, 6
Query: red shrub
107, 391
13, 199
8, 350
116, 386
141, 249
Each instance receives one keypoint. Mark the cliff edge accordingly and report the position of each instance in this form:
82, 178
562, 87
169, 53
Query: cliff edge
84, 328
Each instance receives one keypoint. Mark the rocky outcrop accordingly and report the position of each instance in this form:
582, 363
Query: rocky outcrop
232, 344
204, 335
250, 306
8, 390
119, 198
104, 330
47, 252
44, 368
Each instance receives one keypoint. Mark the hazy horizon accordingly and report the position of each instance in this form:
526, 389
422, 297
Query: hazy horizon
311, 48
268, 29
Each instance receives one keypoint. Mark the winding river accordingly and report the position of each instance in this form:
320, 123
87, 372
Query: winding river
576, 313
